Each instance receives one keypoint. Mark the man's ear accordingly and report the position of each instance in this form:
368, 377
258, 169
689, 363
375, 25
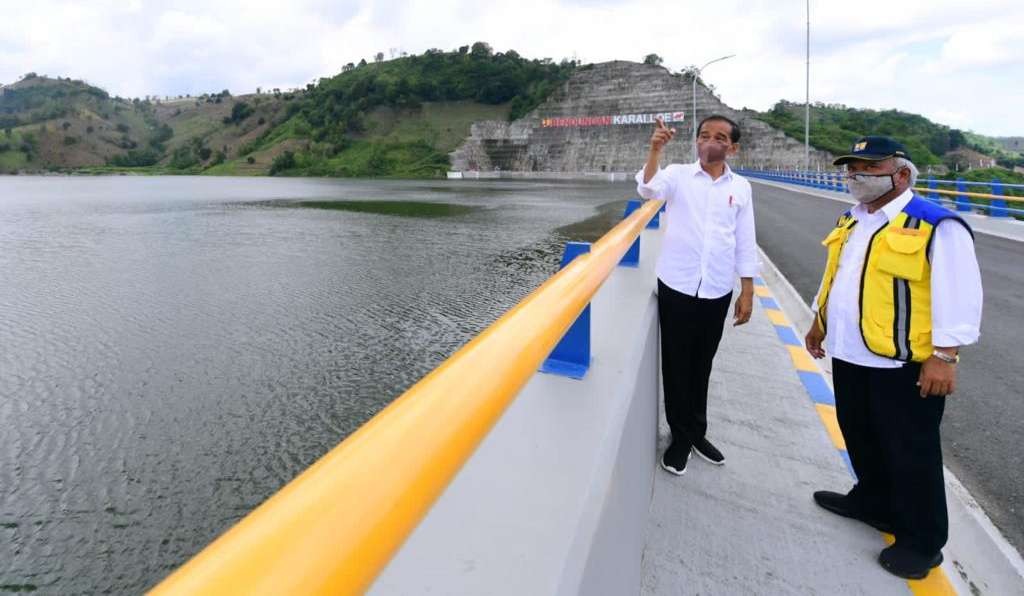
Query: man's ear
905, 176
733, 149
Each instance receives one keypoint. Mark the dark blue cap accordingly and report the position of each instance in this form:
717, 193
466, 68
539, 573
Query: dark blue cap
873, 149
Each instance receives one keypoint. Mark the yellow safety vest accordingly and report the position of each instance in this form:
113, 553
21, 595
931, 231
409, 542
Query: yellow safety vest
895, 287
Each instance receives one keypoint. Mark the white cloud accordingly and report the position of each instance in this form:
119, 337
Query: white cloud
919, 56
994, 44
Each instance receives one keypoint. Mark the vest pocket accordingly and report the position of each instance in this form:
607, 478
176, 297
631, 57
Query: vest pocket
902, 255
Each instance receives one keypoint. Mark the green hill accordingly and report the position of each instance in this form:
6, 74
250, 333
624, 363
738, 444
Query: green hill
61, 123
396, 118
402, 117
835, 127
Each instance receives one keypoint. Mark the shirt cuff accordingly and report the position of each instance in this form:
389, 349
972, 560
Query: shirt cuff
648, 190
962, 335
748, 269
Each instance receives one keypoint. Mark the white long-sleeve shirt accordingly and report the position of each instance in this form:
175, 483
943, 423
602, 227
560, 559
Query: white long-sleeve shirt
955, 279
710, 239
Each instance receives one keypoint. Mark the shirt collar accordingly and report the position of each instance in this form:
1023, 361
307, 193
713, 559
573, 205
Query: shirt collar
697, 171
890, 210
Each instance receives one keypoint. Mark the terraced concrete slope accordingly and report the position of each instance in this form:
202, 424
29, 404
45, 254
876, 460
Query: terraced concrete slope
599, 121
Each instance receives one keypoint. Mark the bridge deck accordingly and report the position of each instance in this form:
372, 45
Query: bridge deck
751, 525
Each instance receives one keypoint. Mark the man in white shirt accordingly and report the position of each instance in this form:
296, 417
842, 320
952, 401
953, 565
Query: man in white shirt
900, 295
709, 242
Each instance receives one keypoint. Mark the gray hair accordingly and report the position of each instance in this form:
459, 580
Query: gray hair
902, 162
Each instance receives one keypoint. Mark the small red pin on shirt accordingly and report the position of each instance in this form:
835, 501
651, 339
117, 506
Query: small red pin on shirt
730, 200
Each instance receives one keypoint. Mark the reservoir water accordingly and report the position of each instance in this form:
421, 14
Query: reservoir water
175, 349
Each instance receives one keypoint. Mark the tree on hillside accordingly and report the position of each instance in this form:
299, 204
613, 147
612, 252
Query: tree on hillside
653, 59
285, 161
481, 49
379, 57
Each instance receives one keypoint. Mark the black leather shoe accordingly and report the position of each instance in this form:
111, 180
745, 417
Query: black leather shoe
908, 564
709, 452
840, 505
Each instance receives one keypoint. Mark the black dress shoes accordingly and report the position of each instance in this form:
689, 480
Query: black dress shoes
840, 504
906, 563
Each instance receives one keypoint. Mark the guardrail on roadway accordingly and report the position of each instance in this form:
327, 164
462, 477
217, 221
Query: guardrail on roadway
994, 203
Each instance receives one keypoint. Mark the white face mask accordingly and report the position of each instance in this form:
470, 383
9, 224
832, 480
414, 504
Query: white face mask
868, 187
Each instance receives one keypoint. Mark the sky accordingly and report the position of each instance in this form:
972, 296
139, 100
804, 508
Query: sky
957, 62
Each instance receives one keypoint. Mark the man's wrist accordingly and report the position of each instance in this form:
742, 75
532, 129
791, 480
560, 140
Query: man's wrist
947, 355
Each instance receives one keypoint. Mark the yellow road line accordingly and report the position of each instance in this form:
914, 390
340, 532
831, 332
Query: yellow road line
828, 418
777, 317
801, 359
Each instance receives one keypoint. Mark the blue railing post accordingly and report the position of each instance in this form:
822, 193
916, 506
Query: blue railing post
997, 207
632, 256
933, 196
962, 202
571, 357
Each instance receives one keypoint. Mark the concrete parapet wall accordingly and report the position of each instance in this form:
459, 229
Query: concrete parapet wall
555, 499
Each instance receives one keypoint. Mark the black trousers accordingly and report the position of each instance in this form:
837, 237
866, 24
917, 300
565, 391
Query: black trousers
691, 329
892, 436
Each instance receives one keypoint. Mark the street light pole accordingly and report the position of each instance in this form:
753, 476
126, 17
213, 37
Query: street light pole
693, 87
807, 100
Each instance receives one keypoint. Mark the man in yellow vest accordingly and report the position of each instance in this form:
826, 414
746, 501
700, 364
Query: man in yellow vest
900, 295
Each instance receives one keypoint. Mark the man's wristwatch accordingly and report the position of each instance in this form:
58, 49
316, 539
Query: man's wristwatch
946, 357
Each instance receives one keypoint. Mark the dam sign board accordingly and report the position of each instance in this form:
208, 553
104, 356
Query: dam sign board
615, 120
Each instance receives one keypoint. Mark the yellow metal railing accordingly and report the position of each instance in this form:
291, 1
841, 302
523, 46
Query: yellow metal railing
975, 195
334, 527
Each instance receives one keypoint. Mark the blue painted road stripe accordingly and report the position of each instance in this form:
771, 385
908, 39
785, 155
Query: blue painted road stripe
849, 464
817, 388
787, 335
